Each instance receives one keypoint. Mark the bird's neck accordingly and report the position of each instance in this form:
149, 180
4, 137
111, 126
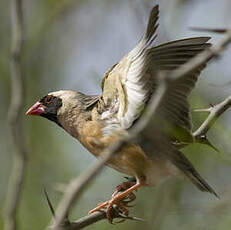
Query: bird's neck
73, 121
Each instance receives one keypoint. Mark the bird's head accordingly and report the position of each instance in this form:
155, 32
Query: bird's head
56, 105
66, 108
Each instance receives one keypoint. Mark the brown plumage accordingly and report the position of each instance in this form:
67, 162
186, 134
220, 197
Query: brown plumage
97, 121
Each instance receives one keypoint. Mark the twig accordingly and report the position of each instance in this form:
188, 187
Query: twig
213, 30
214, 113
76, 186
15, 119
202, 110
93, 218
87, 220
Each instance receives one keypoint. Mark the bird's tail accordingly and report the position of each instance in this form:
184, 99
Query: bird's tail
188, 169
201, 184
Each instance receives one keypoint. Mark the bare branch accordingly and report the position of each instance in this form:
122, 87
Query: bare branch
214, 113
77, 185
87, 220
93, 218
15, 119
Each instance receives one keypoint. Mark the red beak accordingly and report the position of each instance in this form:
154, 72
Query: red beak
36, 109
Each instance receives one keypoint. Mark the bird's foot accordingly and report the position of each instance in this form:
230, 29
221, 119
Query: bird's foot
120, 207
120, 198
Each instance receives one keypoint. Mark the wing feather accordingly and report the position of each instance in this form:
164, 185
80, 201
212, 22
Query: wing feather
130, 71
132, 81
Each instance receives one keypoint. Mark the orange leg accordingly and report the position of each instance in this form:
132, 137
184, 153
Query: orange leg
99, 207
117, 198
122, 187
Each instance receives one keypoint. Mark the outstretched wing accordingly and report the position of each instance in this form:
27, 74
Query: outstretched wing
127, 87
167, 57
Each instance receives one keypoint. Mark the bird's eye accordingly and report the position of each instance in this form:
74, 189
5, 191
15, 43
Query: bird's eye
49, 99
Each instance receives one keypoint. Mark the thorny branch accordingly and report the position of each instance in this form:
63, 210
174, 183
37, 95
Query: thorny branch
214, 113
93, 218
14, 117
76, 186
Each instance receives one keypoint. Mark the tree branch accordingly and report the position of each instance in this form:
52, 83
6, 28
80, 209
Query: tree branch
77, 185
89, 219
214, 113
93, 218
15, 118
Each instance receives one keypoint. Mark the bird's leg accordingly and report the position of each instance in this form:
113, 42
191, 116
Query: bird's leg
117, 199
122, 187
119, 188
125, 190
99, 207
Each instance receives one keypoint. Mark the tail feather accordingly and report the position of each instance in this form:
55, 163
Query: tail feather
188, 169
200, 183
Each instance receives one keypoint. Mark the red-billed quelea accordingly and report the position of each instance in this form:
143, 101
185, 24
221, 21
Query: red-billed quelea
97, 121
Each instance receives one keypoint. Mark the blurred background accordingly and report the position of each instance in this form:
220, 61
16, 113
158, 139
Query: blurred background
70, 45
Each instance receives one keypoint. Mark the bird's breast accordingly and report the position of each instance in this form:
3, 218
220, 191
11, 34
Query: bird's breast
130, 160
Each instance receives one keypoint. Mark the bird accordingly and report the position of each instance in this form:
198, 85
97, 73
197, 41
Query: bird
98, 121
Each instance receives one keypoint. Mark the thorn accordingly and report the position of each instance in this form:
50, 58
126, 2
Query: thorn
49, 203
203, 140
138, 219
132, 218
213, 30
211, 105
66, 221
203, 110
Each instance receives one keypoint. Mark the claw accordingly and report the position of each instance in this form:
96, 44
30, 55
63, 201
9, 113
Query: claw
108, 210
120, 198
